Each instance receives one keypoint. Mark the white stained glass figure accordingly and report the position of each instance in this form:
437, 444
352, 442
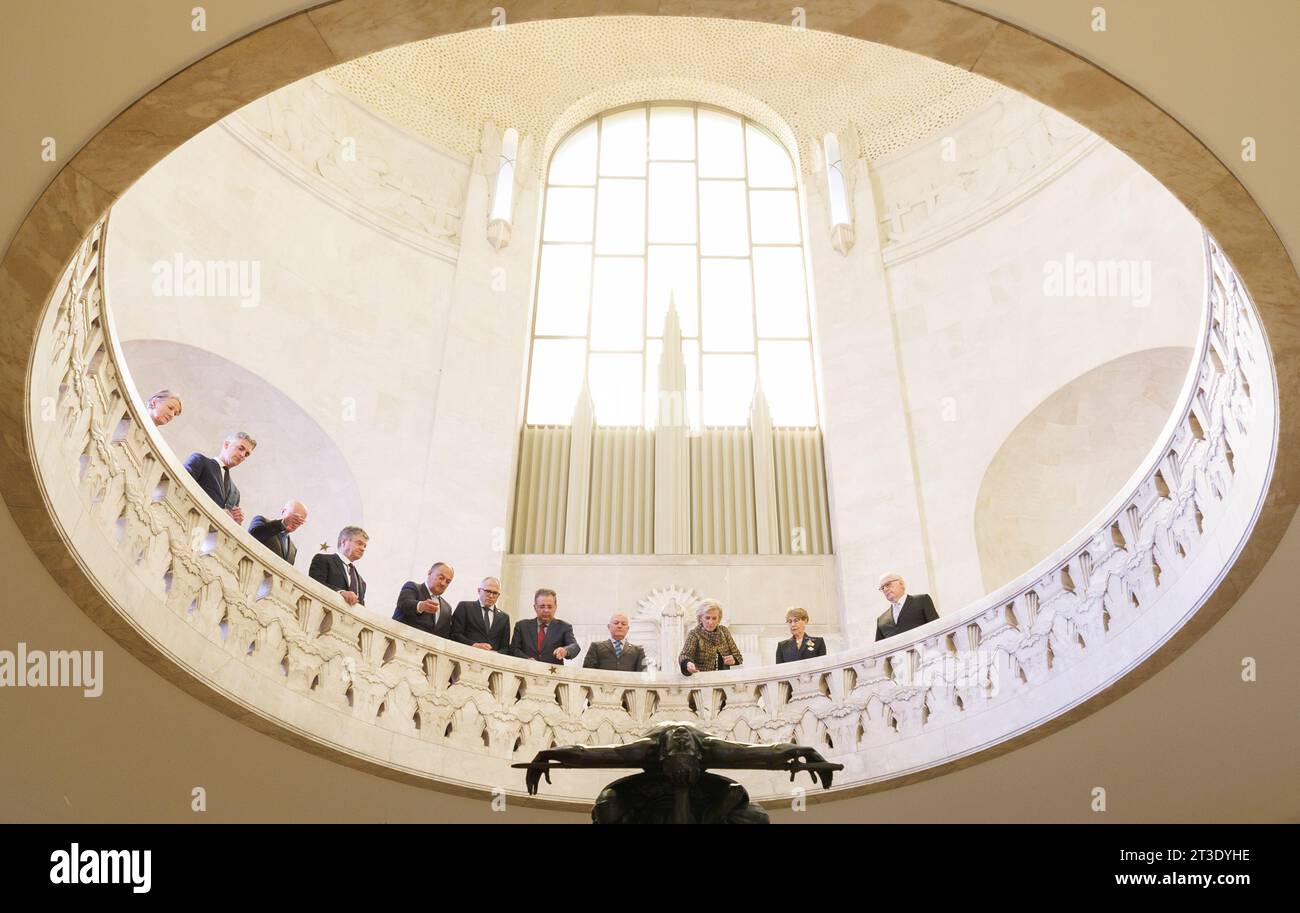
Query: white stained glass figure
678, 201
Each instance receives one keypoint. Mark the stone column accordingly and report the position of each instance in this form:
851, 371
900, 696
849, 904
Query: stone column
876, 517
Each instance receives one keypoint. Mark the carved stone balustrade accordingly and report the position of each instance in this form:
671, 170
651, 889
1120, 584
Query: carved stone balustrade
283, 651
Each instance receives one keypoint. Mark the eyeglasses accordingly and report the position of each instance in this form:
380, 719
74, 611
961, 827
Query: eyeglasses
489, 592
887, 584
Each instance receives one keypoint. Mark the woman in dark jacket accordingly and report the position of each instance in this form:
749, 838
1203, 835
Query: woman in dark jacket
799, 646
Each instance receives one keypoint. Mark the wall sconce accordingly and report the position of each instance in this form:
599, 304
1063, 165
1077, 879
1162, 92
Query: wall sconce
503, 199
837, 194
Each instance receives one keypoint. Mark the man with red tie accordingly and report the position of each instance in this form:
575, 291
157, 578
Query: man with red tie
544, 638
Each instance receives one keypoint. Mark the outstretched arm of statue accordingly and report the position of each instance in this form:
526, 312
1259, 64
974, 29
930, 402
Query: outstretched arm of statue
719, 753
633, 754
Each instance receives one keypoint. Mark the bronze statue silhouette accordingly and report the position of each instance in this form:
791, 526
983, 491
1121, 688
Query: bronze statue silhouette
675, 786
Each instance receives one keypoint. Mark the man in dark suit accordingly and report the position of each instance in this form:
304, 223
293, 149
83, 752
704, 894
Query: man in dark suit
799, 646
274, 534
615, 654
421, 605
544, 638
479, 623
904, 612
339, 572
213, 476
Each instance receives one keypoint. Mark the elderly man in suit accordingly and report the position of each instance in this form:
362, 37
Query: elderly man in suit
544, 638
422, 606
479, 623
213, 476
339, 571
615, 654
274, 534
905, 612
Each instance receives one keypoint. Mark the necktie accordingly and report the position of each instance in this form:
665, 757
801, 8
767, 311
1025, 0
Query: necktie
225, 483
487, 620
352, 580
618, 648
541, 636
284, 544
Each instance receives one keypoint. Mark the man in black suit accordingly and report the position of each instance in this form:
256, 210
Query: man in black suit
339, 572
799, 646
544, 638
479, 623
904, 612
213, 476
274, 534
615, 654
421, 605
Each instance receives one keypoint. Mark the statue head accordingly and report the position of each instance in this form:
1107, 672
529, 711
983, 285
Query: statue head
681, 751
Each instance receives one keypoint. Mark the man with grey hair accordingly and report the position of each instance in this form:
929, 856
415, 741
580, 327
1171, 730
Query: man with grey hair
274, 534
479, 623
213, 476
339, 572
905, 612
615, 654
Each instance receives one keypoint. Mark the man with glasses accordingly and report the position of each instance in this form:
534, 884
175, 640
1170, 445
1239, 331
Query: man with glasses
905, 612
479, 623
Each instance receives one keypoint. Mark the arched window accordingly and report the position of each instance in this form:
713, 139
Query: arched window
678, 201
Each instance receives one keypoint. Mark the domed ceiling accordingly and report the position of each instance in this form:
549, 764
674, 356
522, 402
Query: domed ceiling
543, 78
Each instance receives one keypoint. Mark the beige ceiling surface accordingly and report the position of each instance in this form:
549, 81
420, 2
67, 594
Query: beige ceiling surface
544, 78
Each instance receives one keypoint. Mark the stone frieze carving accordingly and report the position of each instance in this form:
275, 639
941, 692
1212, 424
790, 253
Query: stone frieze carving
356, 161
953, 182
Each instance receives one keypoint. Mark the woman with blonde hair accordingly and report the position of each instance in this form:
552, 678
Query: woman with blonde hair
164, 406
709, 646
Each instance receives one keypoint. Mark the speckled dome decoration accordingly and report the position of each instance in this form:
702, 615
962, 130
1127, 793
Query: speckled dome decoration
544, 78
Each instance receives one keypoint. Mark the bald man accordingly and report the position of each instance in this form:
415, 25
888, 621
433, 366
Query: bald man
479, 623
274, 534
905, 612
615, 654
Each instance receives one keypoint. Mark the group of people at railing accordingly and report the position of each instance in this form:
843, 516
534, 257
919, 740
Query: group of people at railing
479, 623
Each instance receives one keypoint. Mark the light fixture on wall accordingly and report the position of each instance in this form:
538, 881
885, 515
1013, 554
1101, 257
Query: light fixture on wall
837, 193
503, 199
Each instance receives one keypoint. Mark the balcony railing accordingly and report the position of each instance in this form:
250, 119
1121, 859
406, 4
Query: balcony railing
275, 644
